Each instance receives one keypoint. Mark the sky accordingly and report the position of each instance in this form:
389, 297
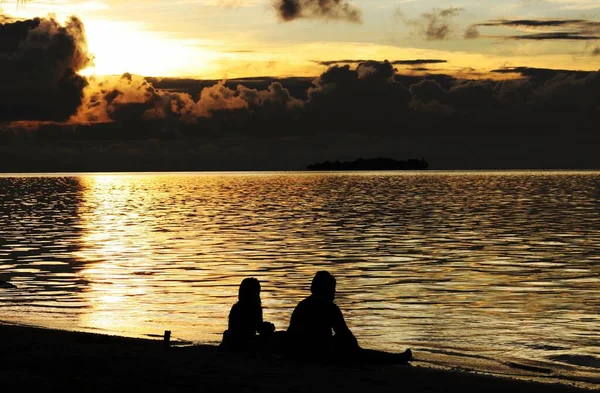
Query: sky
241, 38
281, 84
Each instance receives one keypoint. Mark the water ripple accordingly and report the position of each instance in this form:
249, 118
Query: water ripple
481, 264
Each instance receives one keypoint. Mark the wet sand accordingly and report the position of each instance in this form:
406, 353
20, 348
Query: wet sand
35, 358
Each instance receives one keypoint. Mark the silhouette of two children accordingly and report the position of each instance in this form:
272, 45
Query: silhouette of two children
317, 329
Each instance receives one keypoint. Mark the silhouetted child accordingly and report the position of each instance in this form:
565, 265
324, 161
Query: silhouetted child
315, 319
246, 320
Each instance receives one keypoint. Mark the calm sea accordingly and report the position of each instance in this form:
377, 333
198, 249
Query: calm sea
493, 271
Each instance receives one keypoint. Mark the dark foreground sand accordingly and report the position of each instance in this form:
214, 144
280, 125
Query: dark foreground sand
33, 359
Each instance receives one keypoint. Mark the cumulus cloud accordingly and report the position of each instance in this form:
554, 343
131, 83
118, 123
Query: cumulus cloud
289, 10
132, 98
364, 98
433, 25
39, 64
275, 97
570, 93
218, 98
347, 109
427, 91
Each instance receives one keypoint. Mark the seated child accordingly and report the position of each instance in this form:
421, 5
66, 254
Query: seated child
246, 320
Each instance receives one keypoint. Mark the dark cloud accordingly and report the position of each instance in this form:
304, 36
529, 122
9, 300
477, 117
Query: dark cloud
550, 29
414, 62
570, 93
289, 10
472, 32
427, 91
329, 63
418, 62
540, 91
39, 61
433, 25
540, 75
345, 98
554, 36
596, 51
533, 22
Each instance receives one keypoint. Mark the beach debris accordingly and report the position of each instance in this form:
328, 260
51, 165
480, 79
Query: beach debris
167, 339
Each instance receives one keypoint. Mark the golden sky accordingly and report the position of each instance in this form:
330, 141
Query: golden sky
241, 38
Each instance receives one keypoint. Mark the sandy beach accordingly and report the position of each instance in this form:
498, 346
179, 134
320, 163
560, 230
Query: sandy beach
36, 358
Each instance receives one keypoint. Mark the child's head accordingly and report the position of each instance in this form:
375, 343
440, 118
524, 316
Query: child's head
323, 284
249, 290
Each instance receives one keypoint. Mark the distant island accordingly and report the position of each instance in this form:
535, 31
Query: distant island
370, 164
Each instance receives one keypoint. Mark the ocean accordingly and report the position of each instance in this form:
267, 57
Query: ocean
487, 271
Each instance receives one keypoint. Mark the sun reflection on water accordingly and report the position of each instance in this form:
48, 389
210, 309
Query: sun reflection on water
135, 252
109, 235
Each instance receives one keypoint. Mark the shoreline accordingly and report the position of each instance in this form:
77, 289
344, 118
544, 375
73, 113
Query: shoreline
41, 358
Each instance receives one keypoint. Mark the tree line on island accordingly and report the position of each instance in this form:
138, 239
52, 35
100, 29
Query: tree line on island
370, 164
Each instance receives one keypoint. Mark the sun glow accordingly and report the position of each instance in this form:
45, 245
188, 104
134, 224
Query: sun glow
120, 47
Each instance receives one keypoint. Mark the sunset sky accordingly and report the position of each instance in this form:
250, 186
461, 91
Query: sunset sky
280, 84
240, 38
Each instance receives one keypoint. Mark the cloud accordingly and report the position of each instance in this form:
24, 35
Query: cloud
39, 64
275, 97
433, 25
539, 75
427, 91
530, 22
582, 24
364, 98
472, 32
348, 112
554, 36
413, 62
596, 51
289, 10
133, 99
418, 61
549, 29
570, 93
130, 98
218, 98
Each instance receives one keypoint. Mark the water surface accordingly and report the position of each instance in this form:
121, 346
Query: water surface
483, 270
